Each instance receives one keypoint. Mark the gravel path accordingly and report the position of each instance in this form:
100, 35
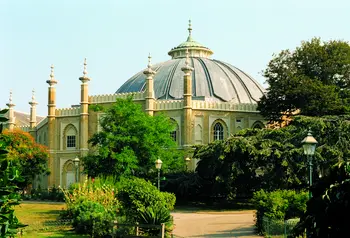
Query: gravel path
214, 224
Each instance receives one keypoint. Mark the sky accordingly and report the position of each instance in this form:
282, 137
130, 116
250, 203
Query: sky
116, 36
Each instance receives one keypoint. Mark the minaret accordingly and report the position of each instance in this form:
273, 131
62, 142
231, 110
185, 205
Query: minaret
51, 126
11, 115
32, 104
187, 109
149, 93
84, 112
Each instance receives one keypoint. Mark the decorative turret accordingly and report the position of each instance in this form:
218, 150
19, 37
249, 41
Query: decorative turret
33, 104
195, 49
51, 126
11, 116
52, 94
187, 69
149, 93
84, 112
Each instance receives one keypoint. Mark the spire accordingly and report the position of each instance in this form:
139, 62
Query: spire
187, 58
10, 99
33, 102
189, 31
149, 65
52, 81
84, 78
149, 70
10, 104
85, 72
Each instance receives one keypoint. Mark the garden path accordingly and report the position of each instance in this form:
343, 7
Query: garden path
214, 224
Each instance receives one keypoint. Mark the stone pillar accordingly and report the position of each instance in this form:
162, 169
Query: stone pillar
32, 121
149, 93
51, 123
11, 114
84, 113
187, 109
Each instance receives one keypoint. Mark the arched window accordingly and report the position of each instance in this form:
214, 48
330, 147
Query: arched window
70, 137
258, 125
218, 131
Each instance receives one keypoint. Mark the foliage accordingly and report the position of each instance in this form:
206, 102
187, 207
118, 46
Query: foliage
28, 156
93, 206
144, 203
278, 205
130, 142
327, 213
52, 194
9, 177
270, 159
92, 218
323, 66
155, 215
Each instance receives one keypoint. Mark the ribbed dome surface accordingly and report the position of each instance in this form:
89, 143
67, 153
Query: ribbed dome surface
211, 80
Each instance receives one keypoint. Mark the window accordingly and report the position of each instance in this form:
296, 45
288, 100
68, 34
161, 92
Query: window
173, 135
70, 141
218, 131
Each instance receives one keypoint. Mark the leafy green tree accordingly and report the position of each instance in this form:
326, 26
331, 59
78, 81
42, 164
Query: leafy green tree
312, 80
131, 141
9, 177
271, 158
327, 213
29, 157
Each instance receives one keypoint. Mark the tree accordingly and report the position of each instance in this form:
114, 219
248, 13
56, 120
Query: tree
271, 159
131, 141
9, 176
327, 213
29, 157
312, 80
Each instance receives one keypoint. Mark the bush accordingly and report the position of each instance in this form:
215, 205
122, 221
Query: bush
93, 218
92, 206
143, 203
278, 205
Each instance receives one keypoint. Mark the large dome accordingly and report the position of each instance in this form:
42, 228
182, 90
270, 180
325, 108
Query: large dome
211, 79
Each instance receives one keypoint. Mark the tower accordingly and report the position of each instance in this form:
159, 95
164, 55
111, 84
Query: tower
84, 112
32, 122
51, 124
11, 115
149, 93
187, 108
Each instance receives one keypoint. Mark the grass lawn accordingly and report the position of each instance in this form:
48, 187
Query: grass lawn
41, 219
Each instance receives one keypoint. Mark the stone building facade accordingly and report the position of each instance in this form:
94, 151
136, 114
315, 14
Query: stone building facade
208, 99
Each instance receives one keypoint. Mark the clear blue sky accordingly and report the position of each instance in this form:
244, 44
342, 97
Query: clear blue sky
116, 37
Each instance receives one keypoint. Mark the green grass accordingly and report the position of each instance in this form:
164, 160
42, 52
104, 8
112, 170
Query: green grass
41, 219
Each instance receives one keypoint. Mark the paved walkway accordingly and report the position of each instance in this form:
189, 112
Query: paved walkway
214, 224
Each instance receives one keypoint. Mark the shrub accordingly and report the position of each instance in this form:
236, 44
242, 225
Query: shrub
143, 203
278, 205
92, 206
93, 218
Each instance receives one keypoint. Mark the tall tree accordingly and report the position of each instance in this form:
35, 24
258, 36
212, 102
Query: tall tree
131, 141
29, 157
312, 80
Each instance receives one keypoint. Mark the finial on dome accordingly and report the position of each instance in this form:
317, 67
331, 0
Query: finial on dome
189, 38
52, 76
149, 65
10, 99
149, 70
84, 71
33, 95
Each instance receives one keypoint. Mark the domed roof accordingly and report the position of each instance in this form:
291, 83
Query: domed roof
212, 80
